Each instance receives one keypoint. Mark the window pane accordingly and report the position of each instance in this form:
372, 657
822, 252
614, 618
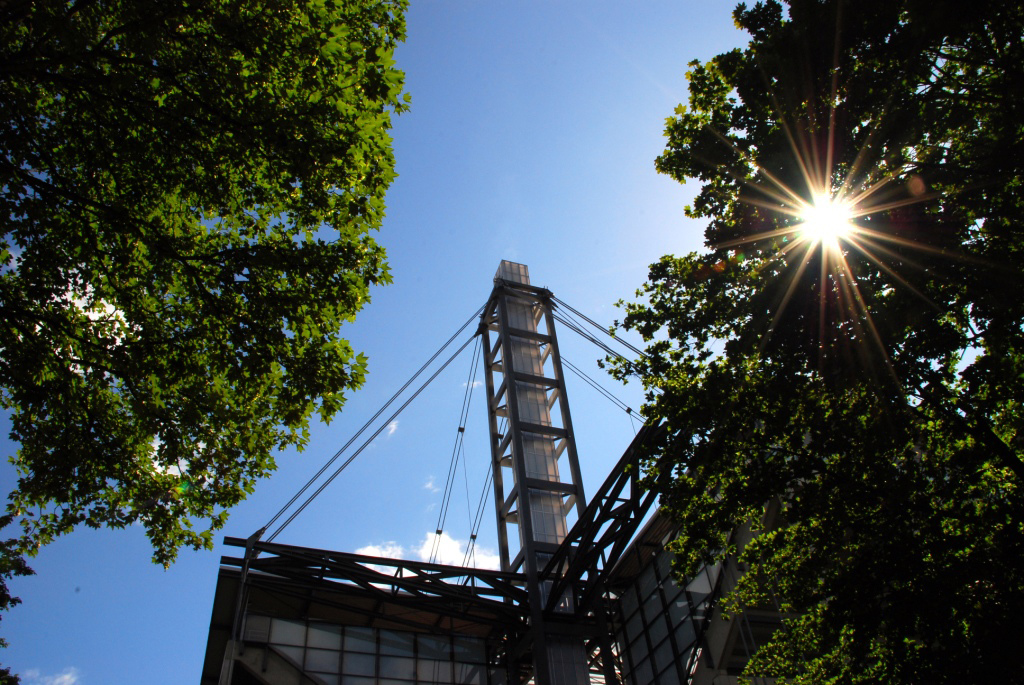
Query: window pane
322, 660
257, 628
434, 671
647, 582
328, 678
653, 607
358, 664
629, 603
360, 640
292, 654
353, 680
469, 674
635, 626
659, 630
684, 635
664, 564
670, 588
284, 632
678, 610
643, 674
434, 646
469, 649
663, 655
398, 644
324, 636
670, 676
638, 650
699, 586
397, 667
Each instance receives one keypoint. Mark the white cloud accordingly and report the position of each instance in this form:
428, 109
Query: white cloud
431, 485
69, 676
453, 552
388, 550
392, 427
476, 384
449, 551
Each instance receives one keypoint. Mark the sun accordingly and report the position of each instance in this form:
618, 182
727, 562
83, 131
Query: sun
826, 220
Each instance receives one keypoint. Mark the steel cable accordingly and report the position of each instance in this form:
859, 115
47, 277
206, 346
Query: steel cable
351, 441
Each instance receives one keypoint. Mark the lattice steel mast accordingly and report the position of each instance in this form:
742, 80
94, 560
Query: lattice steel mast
531, 436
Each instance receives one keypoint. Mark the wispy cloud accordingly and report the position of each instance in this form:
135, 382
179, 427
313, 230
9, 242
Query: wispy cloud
392, 427
33, 676
388, 550
431, 486
476, 384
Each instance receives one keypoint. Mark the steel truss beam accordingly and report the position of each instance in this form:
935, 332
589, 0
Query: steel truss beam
492, 595
601, 535
435, 595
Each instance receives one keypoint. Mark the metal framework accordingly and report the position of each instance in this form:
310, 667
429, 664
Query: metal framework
546, 615
583, 562
530, 436
354, 589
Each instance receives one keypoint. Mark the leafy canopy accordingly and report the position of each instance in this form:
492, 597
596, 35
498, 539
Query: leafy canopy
188, 189
868, 386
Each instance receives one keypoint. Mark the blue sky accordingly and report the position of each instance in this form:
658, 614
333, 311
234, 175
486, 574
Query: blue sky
532, 137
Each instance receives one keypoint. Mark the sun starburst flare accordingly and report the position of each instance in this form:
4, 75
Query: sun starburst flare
842, 220
826, 220
838, 224
836, 221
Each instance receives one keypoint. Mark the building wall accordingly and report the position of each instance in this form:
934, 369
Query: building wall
354, 655
669, 633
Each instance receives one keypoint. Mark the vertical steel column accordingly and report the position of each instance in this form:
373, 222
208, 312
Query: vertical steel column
530, 445
498, 446
563, 405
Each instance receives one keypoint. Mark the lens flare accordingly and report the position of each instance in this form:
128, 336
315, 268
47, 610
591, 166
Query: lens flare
826, 220
834, 220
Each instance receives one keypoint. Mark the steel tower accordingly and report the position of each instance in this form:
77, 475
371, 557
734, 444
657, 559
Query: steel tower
594, 603
531, 438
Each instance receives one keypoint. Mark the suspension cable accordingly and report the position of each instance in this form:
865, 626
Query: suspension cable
371, 438
635, 350
370, 422
604, 391
457, 451
477, 520
576, 328
479, 517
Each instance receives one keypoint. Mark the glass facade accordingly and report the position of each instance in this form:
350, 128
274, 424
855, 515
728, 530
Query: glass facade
540, 455
352, 655
658, 622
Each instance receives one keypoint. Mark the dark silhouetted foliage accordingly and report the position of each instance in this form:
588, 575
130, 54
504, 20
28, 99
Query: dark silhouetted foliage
873, 385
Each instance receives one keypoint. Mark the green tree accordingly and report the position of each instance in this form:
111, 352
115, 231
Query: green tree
868, 380
188, 190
